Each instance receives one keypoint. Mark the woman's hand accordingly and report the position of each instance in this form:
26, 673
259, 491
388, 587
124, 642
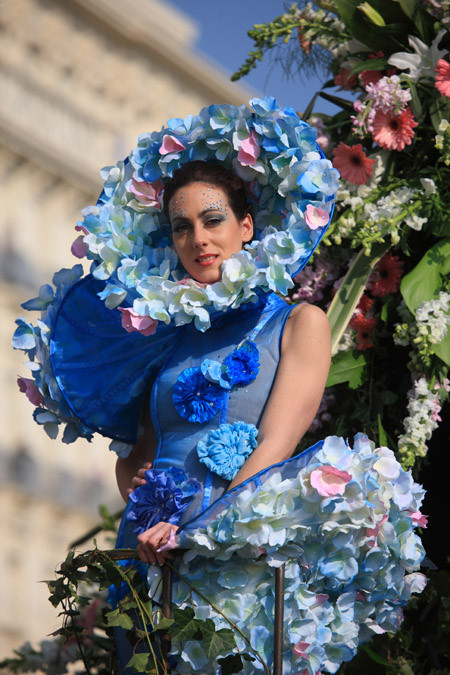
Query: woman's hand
151, 541
139, 479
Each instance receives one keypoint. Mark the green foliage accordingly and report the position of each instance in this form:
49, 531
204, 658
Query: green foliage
344, 302
348, 366
425, 279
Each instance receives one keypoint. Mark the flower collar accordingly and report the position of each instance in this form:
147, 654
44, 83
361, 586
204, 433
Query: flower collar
127, 236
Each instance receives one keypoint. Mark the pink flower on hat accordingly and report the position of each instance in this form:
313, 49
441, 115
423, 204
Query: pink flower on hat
329, 481
316, 217
249, 150
170, 144
79, 248
134, 323
30, 390
147, 193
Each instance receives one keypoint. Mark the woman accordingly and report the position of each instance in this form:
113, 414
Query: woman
208, 211
236, 376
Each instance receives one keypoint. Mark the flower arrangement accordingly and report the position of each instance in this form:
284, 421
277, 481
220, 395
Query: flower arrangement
351, 555
386, 290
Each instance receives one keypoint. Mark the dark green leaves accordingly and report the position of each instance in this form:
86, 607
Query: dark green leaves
349, 366
117, 618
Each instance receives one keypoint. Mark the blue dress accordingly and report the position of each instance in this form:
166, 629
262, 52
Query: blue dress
340, 518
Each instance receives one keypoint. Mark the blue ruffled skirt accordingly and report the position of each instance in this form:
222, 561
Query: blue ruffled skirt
341, 519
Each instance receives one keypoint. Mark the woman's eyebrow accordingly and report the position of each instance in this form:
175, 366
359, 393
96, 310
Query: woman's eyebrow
213, 208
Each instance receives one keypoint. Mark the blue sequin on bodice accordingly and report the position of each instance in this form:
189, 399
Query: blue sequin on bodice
176, 437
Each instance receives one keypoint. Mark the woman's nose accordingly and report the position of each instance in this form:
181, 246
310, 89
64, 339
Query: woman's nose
199, 236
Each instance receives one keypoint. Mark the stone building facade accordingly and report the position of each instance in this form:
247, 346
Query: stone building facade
79, 80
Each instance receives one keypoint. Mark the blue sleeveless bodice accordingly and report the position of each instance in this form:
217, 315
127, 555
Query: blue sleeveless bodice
177, 438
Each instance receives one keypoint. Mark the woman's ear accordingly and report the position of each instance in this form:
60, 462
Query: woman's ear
247, 228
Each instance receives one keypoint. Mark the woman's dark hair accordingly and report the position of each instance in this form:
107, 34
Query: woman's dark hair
213, 174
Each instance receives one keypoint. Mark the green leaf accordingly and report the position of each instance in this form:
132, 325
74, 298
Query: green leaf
142, 663
115, 618
408, 6
337, 100
216, 642
164, 624
376, 657
349, 366
424, 281
309, 108
439, 110
230, 664
344, 302
442, 349
372, 14
371, 64
186, 625
382, 437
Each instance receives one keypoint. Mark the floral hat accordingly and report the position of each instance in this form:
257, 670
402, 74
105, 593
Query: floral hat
76, 348
128, 237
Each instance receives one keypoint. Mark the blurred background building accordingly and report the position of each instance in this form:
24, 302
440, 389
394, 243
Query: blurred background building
79, 80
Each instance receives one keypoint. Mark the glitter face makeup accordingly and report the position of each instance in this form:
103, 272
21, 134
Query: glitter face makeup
205, 230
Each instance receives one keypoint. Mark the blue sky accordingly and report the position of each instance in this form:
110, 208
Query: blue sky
223, 38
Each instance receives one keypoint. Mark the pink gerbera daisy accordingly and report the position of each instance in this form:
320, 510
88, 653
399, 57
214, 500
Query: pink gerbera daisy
352, 163
392, 131
443, 77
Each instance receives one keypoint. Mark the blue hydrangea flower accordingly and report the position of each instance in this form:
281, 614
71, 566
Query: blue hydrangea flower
242, 364
225, 450
196, 399
117, 593
161, 498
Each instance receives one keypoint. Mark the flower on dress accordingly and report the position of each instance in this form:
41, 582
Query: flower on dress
225, 450
133, 322
162, 498
442, 82
392, 131
196, 399
386, 276
364, 329
353, 163
329, 481
419, 518
242, 365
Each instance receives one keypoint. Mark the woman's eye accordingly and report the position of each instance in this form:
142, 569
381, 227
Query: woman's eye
214, 221
180, 229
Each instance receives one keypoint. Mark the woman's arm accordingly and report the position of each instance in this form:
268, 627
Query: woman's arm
129, 471
297, 391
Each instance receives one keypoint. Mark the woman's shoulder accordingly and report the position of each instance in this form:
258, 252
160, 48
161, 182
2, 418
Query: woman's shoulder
306, 323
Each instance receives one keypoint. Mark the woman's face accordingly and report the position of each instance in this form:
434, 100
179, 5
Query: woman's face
205, 230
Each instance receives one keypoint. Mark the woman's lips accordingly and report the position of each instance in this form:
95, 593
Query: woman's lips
206, 260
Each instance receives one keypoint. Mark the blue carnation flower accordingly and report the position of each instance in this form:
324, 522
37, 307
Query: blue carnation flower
196, 399
161, 499
225, 450
242, 364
